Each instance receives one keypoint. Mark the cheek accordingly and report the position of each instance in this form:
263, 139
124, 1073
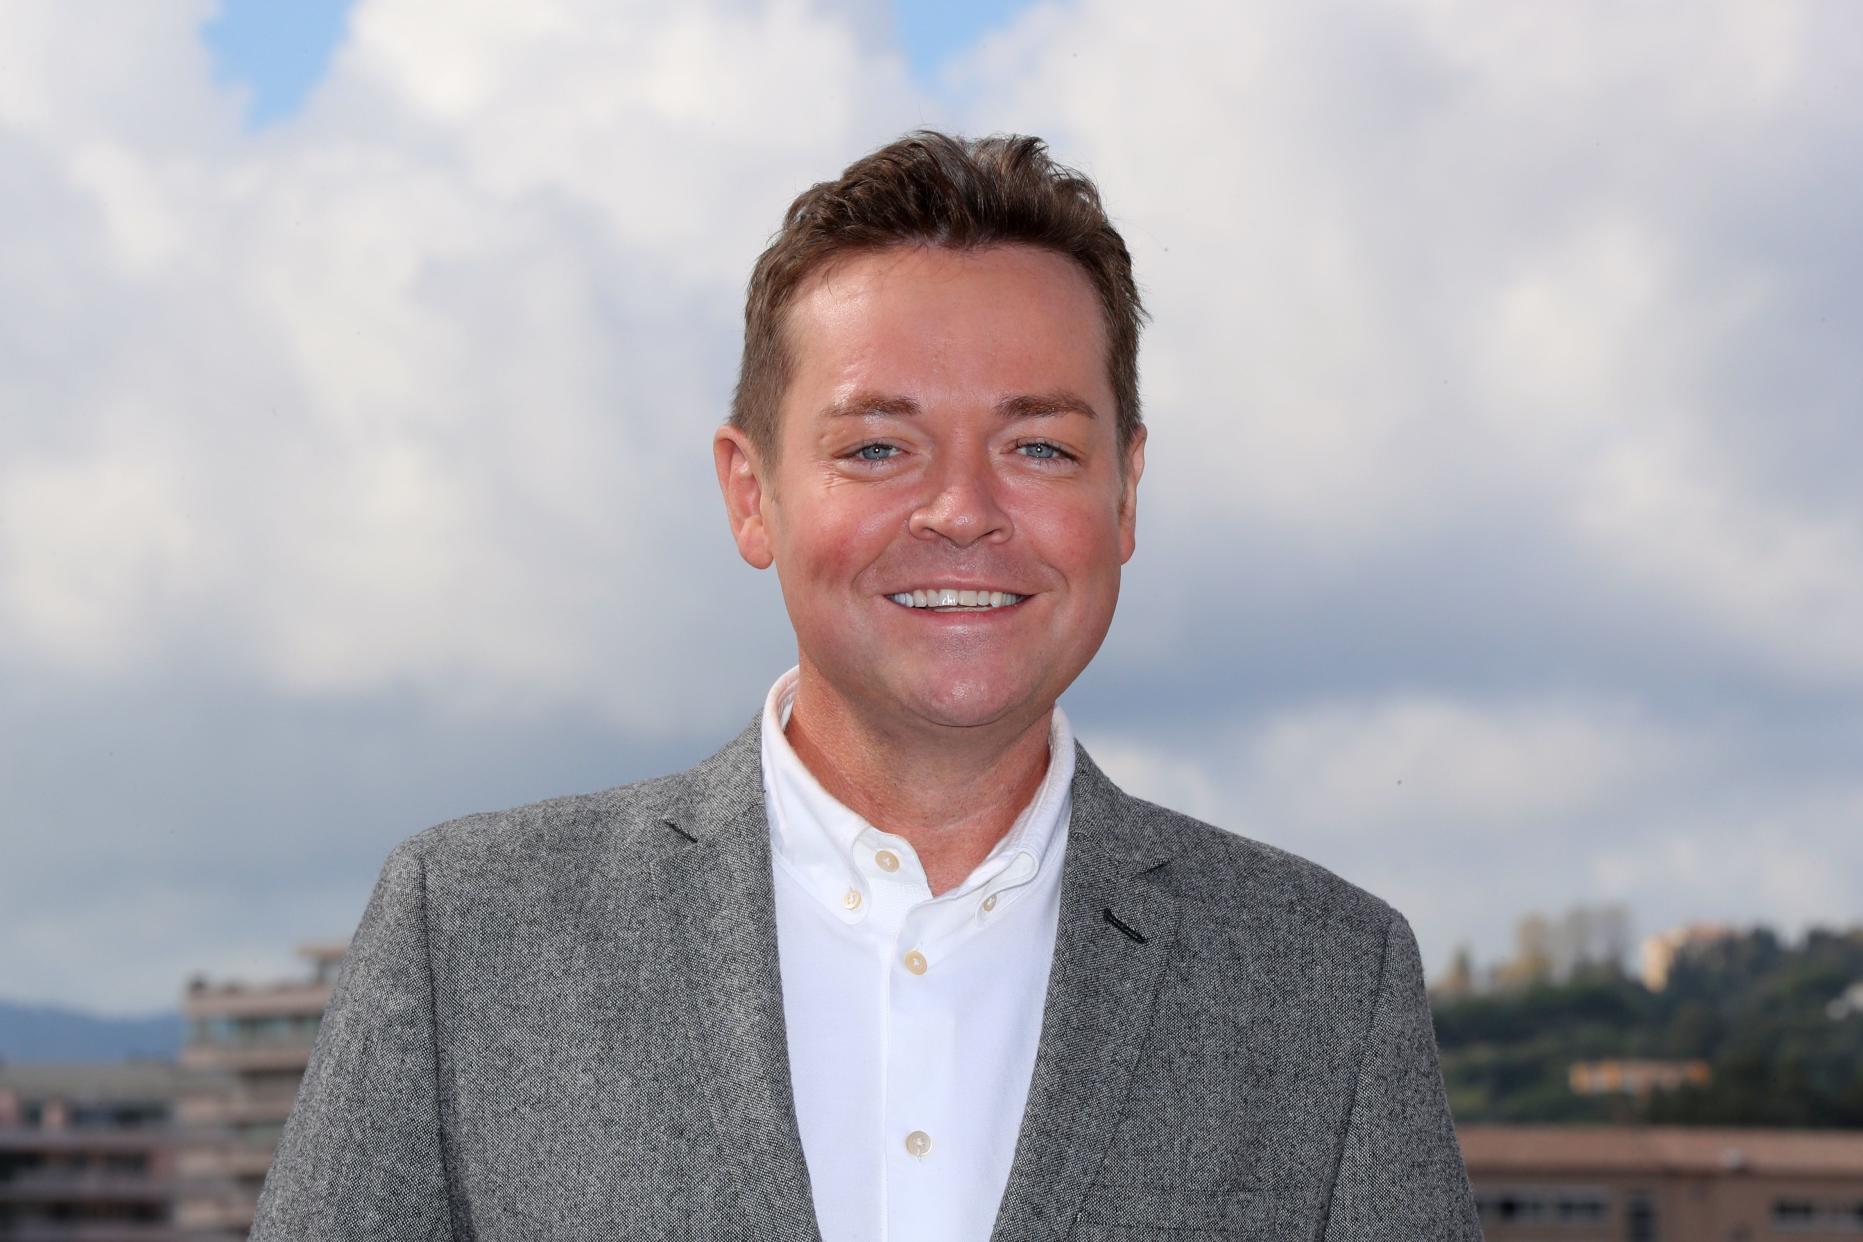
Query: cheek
839, 536
871, 523
1081, 539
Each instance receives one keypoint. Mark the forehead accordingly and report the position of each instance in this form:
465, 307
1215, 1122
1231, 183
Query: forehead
938, 324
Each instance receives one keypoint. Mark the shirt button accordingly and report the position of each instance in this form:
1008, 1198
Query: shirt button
915, 962
918, 1143
989, 903
887, 860
851, 899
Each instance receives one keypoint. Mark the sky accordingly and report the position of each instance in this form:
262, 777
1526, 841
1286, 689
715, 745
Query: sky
1500, 546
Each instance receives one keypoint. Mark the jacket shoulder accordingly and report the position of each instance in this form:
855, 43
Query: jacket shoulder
1230, 876
622, 819
613, 822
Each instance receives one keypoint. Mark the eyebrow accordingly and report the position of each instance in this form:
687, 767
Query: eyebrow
1030, 405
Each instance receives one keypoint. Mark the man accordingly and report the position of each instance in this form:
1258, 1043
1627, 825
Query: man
899, 962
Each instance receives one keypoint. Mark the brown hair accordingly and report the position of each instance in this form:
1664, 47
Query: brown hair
933, 189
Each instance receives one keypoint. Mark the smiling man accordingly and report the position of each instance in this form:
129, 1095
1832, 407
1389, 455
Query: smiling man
947, 493
899, 962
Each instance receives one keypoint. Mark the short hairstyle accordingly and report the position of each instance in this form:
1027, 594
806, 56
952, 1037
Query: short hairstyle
934, 189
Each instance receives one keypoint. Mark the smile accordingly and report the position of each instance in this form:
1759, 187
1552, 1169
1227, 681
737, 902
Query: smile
950, 597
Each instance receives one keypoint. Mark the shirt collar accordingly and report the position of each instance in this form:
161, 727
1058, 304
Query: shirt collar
817, 836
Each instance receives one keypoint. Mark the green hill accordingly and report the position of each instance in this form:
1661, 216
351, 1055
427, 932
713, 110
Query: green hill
52, 1033
1782, 1045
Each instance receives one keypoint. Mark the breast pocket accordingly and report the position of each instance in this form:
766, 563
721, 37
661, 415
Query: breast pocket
1187, 1213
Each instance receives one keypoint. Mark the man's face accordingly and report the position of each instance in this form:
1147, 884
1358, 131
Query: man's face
949, 427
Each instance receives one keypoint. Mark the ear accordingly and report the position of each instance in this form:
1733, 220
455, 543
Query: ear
740, 478
1128, 494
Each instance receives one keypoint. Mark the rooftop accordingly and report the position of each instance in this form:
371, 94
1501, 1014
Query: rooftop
96, 1081
1660, 1149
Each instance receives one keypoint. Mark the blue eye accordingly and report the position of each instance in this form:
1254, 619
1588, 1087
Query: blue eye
1041, 450
875, 452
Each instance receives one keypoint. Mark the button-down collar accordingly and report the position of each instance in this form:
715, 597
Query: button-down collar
832, 852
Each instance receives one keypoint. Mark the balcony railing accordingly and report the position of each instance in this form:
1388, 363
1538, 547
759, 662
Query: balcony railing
86, 1138
225, 1161
253, 1055
281, 1000
85, 1185
199, 1111
208, 1214
99, 1231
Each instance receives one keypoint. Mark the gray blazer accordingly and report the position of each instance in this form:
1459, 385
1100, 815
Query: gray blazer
565, 1021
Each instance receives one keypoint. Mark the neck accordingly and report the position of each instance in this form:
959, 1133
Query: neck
953, 793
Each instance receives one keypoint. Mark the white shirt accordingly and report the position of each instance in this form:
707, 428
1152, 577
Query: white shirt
912, 1019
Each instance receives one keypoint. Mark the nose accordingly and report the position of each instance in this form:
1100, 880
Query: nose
962, 508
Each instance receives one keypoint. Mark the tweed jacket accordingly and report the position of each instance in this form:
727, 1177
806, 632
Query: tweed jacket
565, 1021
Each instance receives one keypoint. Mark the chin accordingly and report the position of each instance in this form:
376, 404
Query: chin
972, 702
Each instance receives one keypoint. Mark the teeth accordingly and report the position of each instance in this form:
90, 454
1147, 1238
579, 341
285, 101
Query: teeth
952, 597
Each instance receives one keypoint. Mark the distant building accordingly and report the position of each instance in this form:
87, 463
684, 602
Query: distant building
1848, 1002
1664, 1183
87, 1151
1634, 1078
1552, 949
1658, 952
258, 1040
1459, 980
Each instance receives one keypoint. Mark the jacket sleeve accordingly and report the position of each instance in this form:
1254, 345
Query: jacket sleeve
1400, 1172
361, 1155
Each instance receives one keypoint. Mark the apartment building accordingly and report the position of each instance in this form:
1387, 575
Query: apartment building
1634, 1077
87, 1151
1665, 1183
255, 1041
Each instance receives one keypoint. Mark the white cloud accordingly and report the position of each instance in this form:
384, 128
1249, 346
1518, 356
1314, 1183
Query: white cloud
1783, 854
1345, 776
1501, 389
1490, 767
1467, 815
415, 388
91, 597
116, 71
1430, 261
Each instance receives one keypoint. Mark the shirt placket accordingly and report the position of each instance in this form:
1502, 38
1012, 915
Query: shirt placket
909, 1047
922, 1134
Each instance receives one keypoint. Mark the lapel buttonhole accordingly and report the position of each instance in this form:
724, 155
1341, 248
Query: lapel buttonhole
1112, 918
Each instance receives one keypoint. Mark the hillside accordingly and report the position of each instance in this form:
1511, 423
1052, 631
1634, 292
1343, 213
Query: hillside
1782, 1039
48, 1033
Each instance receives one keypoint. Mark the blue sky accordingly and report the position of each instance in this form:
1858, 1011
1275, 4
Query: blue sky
279, 52
1499, 541
276, 51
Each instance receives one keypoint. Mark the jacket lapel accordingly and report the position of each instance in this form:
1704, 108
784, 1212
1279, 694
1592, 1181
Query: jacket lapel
714, 887
1098, 1008
719, 914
